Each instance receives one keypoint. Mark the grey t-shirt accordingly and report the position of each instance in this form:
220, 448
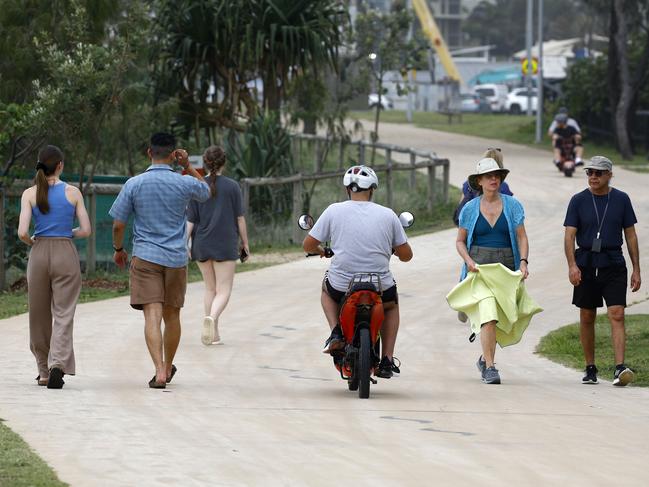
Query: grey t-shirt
216, 234
362, 236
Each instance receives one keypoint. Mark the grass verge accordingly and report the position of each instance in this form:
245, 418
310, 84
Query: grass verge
518, 129
562, 346
20, 466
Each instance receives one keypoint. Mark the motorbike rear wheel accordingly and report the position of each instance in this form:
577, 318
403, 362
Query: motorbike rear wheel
364, 363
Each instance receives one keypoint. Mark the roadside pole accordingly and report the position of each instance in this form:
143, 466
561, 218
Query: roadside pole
539, 79
528, 44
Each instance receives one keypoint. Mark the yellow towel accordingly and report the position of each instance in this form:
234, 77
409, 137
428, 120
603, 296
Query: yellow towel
495, 293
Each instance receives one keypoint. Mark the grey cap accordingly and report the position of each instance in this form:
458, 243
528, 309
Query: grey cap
599, 162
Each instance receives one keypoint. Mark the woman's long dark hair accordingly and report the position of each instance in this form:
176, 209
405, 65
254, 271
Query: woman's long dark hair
214, 159
48, 158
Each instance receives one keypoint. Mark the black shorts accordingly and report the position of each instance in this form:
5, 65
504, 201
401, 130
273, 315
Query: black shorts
609, 285
389, 295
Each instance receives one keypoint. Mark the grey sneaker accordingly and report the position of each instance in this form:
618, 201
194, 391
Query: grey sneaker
623, 376
491, 376
482, 365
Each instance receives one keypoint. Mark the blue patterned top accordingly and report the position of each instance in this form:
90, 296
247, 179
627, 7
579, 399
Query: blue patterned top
158, 198
514, 213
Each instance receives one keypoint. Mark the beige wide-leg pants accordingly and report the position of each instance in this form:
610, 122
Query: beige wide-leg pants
54, 284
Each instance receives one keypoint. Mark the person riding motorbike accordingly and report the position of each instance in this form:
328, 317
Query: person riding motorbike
364, 236
570, 121
563, 132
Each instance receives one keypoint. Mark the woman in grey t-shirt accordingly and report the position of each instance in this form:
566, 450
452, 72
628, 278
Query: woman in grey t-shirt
217, 236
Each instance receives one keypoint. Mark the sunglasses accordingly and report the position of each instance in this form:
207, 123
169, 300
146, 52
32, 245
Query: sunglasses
495, 148
595, 172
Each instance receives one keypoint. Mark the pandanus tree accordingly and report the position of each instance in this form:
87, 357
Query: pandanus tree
211, 51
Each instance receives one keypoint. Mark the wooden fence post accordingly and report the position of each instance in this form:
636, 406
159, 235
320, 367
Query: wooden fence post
245, 196
361, 153
447, 171
91, 249
431, 187
298, 204
3, 277
388, 176
413, 173
316, 156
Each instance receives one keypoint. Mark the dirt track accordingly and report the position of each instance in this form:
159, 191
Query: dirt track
266, 408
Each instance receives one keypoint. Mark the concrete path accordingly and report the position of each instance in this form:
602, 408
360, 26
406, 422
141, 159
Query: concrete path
266, 408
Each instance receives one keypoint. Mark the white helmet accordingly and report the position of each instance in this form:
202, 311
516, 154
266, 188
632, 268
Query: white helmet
359, 178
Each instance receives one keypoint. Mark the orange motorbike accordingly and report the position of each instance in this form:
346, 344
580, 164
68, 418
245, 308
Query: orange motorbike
361, 317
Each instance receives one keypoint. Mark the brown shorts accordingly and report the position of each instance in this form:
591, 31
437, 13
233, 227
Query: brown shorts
155, 283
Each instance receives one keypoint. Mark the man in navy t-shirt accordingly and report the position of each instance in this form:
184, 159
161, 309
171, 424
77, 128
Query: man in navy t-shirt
596, 219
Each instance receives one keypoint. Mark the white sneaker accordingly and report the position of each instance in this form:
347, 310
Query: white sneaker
217, 337
207, 336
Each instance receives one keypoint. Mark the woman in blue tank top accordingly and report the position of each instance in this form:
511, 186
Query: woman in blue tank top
53, 271
491, 230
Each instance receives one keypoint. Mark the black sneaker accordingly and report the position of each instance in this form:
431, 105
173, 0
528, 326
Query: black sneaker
395, 368
385, 368
591, 375
336, 341
623, 375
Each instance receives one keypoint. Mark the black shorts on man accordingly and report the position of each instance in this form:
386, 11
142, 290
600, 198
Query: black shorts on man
389, 295
607, 284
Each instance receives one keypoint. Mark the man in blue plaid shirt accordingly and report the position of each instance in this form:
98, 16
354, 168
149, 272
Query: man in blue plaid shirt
158, 201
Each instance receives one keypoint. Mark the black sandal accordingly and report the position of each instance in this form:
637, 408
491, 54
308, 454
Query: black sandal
173, 372
56, 379
157, 385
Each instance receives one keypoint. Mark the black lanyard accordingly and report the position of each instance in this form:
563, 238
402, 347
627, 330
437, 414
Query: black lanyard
600, 224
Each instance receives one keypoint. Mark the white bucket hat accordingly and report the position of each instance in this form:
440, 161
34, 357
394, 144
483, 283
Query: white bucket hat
485, 166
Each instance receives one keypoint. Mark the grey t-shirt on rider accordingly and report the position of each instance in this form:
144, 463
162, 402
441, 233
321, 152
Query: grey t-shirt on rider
362, 235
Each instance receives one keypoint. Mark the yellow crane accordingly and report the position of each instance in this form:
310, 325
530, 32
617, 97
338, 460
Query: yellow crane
429, 26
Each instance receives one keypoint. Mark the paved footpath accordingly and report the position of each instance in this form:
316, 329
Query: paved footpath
266, 408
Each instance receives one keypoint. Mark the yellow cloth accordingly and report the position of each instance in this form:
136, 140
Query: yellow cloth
495, 293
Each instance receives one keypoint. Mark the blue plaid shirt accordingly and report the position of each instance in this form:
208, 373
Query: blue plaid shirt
158, 197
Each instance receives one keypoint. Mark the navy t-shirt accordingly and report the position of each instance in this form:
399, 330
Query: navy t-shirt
470, 193
581, 215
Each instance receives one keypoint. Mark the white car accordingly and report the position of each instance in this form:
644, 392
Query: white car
373, 100
517, 101
495, 94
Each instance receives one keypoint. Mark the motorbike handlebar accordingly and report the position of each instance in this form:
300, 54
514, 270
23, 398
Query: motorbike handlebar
328, 253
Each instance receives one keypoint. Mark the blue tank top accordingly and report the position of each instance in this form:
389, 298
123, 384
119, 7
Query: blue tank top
497, 236
59, 220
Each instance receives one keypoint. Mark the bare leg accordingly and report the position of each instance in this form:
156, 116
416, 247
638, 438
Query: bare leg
207, 271
171, 318
224, 276
579, 151
331, 310
488, 342
616, 317
557, 154
153, 337
389, 329
587, 333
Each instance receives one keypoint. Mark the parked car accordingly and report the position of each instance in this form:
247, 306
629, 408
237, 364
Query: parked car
517, 101
474, 103
373, 100
495, 94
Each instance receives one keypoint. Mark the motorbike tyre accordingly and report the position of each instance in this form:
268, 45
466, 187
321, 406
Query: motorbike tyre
364, 364
568, 172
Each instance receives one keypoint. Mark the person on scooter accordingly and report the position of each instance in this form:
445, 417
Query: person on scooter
570, 122
364, 236
562, 132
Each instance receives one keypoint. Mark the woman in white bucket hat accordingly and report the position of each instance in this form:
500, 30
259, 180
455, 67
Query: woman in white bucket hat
491, 230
